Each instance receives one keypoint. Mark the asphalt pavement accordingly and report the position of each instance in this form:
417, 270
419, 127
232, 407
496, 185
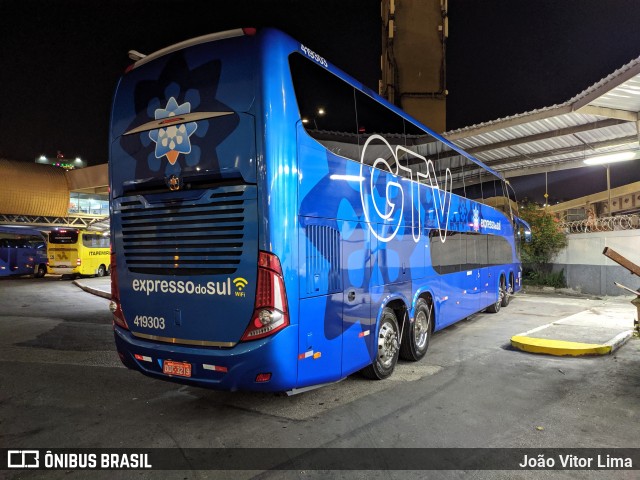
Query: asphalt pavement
598, 330
62, 385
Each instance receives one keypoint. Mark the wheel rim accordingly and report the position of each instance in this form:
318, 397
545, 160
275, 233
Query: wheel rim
421, 329
387, 344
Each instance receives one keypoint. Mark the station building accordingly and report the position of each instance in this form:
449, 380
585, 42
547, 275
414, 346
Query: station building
47, 197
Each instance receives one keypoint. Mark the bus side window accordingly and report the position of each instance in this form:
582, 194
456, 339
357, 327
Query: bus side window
376, 119
326, 106
90, 240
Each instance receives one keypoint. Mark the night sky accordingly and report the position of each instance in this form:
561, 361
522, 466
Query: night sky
60, 60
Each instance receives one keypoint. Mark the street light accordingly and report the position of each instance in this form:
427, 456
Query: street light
59, 161
610, 158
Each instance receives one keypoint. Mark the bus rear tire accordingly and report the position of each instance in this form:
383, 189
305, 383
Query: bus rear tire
41, 271
387, 346
509, 291
507, 297
101, 271
416, 336
502, 293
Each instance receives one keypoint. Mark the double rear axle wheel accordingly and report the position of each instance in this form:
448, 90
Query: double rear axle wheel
411, 343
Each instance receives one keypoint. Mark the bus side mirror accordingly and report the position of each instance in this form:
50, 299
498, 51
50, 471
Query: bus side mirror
524, 230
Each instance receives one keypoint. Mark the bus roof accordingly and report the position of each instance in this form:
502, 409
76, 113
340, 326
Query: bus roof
20, 230
211, 37
277, 36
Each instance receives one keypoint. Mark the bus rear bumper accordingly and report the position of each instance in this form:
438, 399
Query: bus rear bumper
231, 369
64, 270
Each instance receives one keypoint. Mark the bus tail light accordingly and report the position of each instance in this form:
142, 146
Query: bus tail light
78, 262
270, 314
114, 306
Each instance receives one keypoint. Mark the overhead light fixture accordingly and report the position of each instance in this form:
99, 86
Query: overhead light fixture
610, 158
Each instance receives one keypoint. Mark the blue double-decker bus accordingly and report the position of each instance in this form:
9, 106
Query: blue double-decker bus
23, 251
276, 225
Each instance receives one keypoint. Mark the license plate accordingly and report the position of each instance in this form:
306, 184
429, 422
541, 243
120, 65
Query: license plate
179, 369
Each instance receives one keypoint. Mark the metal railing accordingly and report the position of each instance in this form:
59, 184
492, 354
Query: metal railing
81, 221
603, 224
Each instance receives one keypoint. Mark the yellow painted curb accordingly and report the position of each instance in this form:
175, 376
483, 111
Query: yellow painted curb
558, 347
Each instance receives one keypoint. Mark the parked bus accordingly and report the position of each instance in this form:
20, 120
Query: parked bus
23, 251
75, 252
277, 226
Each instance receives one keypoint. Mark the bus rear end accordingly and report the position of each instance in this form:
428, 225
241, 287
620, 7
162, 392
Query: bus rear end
195, 298
63, 251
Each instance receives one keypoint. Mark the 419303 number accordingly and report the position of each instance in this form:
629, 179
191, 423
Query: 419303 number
149, 322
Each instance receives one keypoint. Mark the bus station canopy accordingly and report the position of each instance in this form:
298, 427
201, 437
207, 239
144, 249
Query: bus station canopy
603, 119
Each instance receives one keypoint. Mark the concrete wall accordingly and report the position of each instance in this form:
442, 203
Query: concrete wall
587, 270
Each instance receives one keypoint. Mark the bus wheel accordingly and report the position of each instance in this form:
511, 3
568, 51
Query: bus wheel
495, 307
388, 347
508, 291
415, 339
101, 271
41, 272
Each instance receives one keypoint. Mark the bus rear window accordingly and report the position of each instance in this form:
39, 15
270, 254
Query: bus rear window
67, 236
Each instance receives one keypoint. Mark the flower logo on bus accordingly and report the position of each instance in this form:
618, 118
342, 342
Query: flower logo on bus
476, 219
172, 140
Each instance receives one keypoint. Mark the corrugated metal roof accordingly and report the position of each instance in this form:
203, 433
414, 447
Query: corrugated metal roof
601, 119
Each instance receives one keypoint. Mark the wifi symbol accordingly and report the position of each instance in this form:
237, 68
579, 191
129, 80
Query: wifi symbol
240, 283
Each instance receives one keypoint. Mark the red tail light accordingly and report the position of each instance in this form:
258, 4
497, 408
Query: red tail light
270, 314
78, 262
114, 306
